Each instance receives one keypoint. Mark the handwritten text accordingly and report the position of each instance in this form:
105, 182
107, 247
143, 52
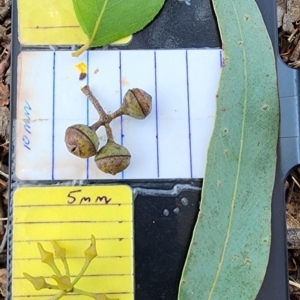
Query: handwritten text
75, 198
27, 128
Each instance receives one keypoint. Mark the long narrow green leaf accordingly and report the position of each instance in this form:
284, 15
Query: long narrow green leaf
106, 21
229, 251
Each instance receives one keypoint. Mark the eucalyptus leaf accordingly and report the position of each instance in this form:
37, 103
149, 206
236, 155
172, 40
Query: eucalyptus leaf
229, 252
106, 21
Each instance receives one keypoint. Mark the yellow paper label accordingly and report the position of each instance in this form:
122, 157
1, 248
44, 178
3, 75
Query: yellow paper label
70, 215
50, 22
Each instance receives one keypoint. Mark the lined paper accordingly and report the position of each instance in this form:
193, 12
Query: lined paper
48, 22
43, 214
51, 22
170, 143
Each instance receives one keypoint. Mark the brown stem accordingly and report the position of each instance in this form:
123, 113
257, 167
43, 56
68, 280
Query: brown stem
87, 91
97, 125
104, 118
109, 134
109, 118
116, 114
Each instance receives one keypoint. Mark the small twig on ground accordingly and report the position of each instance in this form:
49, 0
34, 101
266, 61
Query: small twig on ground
294, 284
3, 183
4, 64
4, 175
3, 243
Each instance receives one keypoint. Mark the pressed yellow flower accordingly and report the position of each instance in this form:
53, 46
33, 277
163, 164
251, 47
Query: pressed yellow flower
59, 251
47, 258
91, 252
38, 282
64, 283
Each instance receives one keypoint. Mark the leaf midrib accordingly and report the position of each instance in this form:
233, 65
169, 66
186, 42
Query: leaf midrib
239, 159
97, 25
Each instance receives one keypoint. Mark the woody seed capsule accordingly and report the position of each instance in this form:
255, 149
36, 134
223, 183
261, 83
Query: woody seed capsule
81, 140
137, 103
112, 158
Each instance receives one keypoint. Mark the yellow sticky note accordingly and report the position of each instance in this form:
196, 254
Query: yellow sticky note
50, 22
70, 215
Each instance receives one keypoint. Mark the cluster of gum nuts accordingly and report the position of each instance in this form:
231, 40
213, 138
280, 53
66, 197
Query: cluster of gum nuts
82, 140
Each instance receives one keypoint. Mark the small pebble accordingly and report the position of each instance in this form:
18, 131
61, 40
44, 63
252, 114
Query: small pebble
166, 212
184, 201
187, 2
176, 210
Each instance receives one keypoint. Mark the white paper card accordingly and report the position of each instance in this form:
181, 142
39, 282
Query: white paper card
171, 142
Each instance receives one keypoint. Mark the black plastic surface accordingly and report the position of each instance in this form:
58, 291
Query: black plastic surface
161, 241
179, 25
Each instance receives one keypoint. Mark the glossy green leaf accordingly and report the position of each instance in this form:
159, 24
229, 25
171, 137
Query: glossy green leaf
229, 252
106, 21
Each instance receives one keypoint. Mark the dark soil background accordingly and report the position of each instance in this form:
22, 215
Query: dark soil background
5, 36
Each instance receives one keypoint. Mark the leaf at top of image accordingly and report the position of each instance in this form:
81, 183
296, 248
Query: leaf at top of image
105, 21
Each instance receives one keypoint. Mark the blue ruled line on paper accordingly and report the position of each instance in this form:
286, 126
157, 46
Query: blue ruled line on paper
189, 112
87, 110
121, 99
156, 114
53, 114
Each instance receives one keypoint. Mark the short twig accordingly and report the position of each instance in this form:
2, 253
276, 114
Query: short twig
104, 118
4, 174
294, 180
3, 183
109, 118
3, 243
295, 53
290, 38
4, 64
296, 284
4, 144
87, 91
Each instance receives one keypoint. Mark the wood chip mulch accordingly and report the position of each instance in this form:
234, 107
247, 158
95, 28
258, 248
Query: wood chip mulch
5, 38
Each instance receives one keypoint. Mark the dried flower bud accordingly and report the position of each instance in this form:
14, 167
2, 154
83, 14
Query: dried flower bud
137, 104
91, 251
63, 282
47, 258
38, 282
81, 140
112, 158
59, 251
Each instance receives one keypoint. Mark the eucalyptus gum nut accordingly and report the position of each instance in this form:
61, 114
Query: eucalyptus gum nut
81, 140
137, 103
112, 158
